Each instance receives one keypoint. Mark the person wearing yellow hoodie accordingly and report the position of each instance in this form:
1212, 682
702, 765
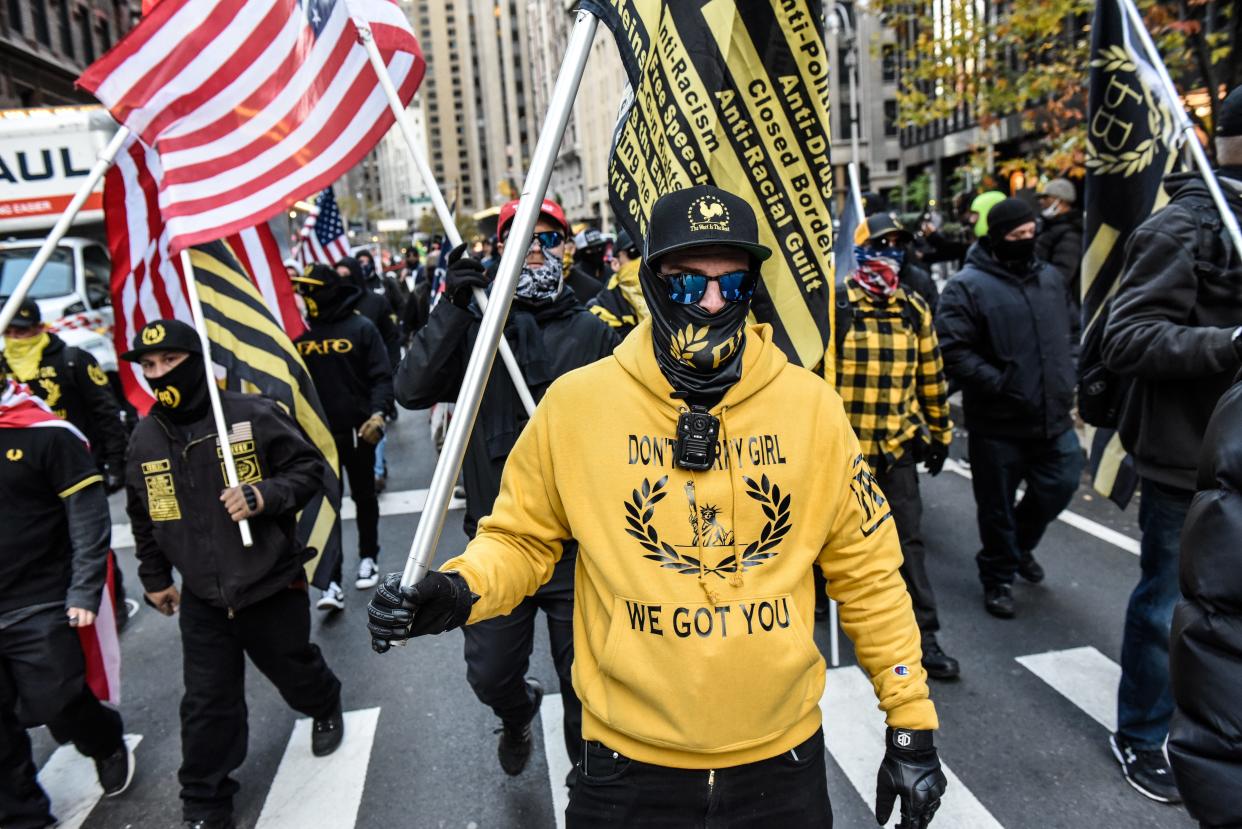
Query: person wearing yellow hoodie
701, 496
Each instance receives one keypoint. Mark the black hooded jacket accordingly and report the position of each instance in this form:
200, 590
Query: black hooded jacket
1205, 655
1059, 243
548, 339
173, 481
348, 363
1171, 328
376, 308
1006, 341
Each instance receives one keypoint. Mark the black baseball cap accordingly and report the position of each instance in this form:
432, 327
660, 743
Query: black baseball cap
314, 277
163, 335
699, 216
880, 224
27, 315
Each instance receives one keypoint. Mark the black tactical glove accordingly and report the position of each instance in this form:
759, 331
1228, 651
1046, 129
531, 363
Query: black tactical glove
440, 602
114, 479
911, 771
935, 457
462, 277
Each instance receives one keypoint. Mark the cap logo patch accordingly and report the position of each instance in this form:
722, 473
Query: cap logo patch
14, 455
709, 213
169, 397
152, 334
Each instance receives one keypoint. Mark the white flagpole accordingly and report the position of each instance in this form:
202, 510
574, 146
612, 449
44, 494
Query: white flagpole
62, 226
1185, 125
213, 392
492, 327
437, 198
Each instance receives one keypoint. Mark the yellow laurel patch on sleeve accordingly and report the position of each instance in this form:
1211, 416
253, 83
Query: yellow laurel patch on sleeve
96, 374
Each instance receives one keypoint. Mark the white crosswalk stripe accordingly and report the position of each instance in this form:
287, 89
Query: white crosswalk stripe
552, 715
1084, 676
854, 733
321, 791
71, 784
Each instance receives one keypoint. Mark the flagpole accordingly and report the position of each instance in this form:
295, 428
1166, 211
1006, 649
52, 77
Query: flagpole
533, 189
213, 391
62, 226
1185, 126
437, 198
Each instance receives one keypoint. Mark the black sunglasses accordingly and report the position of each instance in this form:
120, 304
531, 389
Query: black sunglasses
689, 288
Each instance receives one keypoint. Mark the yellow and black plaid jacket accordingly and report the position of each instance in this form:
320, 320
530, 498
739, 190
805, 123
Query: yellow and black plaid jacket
892, 378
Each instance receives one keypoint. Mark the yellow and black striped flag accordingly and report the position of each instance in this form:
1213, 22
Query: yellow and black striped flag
734, 93
259, 358
1130, 142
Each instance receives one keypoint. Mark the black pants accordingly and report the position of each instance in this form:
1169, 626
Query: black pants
498, 655
901, 486
358, 462
43, 682
1008, 531
790, 790
275, 634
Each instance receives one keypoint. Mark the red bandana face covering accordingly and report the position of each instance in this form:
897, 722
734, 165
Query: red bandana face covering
877, 275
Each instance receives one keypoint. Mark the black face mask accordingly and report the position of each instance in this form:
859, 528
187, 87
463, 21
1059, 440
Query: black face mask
1015, 254
182, 392
700, 354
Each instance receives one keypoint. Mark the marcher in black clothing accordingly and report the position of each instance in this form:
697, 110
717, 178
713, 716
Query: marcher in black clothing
886, 237
550, 334
346, 359
237, 600
375, 307
621, 305
1006, 341
53, 565
1205, 657
589, 273
376, 281
1059, 242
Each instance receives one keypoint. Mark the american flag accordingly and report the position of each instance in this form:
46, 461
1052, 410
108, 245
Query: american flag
323, 236
253, 103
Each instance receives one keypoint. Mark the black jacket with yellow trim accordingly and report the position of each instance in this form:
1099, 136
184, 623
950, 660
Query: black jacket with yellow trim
174, 478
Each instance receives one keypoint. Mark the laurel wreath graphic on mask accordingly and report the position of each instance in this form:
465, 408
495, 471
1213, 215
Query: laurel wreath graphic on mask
640, 509
1115, 59
688, 342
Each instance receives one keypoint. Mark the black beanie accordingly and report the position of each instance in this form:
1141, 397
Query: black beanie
1007, 215
1230, 124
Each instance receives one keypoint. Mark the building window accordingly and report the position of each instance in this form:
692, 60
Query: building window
892, 165
88, 37
105, 35
890, 117
16, 21
42, 29
889, 63
66, 28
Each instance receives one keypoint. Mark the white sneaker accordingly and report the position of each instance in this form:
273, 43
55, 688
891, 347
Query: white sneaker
332, 599
368, 574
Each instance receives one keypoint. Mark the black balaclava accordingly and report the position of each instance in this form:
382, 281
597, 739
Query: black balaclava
182, 392
1016, 255
356, 275
700, 354
334, 298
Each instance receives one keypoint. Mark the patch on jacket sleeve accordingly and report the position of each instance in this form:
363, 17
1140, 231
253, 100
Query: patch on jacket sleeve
872, 505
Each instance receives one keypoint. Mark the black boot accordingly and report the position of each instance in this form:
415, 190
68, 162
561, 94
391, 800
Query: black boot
998, 600
515, 738
1029, 569
937, 663
327, 733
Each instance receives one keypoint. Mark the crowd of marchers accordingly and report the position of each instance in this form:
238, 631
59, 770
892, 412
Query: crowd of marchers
657, 625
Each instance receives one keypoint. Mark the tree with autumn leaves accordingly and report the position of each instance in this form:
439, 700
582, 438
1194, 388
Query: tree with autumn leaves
1030, 59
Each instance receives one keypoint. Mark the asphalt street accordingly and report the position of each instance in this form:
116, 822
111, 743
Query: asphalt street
1023, 732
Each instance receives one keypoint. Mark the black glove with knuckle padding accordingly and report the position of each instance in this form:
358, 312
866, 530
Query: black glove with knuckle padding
440, 602
463, 275
911, 772
935, 457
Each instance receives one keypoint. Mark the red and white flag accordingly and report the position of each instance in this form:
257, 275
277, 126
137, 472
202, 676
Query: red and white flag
147, 283
101, 647
252, 104
323, 238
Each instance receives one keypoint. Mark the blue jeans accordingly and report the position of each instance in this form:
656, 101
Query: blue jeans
1010, 529
381, 468
1144, 698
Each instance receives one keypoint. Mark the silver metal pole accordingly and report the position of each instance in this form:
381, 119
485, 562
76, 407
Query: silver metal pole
1185, 125
213, 392
62, 226
492, 327
851, 170
437, 198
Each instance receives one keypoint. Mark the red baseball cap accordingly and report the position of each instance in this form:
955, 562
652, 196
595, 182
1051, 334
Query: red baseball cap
549, 208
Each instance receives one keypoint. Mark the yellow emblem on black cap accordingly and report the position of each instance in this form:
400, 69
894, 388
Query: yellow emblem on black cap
153, 334
709, 213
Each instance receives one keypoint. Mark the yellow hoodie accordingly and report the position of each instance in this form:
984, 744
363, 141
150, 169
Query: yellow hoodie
681, 658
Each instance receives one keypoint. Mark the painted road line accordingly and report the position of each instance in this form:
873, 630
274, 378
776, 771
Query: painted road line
321, 791
1084, 676
552, 715
854, 734
403, 502
71, 783
1095, 528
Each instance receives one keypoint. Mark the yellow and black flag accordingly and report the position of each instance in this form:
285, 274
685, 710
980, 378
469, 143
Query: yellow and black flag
1130, 148
259, 358
734, 93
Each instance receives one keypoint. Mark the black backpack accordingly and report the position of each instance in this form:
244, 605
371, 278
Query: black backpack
1102, 394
